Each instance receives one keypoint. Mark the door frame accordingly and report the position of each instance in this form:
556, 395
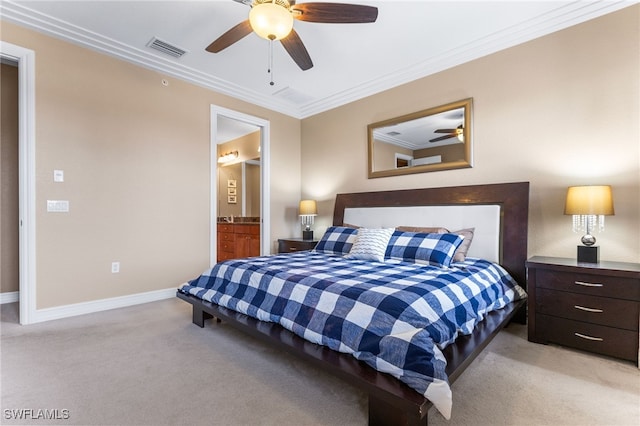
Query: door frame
265, 205
27, 176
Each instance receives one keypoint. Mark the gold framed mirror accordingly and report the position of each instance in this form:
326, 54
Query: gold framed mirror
430, 140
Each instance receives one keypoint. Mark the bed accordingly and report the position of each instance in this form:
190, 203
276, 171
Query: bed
498, 216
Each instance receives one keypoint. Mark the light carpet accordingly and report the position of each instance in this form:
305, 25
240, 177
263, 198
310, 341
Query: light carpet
149, 365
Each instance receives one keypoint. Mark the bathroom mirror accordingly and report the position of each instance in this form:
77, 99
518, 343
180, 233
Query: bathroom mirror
238, 170
430, 140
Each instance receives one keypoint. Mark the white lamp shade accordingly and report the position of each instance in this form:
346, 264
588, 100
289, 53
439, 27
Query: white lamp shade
271, 21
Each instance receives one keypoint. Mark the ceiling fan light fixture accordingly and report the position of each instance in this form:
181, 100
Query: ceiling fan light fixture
271, 20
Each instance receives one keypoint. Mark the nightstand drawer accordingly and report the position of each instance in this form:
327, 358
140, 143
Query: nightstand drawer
592, 284
289, 245
596, 310
590, 337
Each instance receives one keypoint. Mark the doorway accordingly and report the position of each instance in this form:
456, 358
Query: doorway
25, 60
221, 119
9, 237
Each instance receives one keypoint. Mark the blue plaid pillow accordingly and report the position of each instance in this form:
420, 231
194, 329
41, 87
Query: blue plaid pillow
337, 240
432, 249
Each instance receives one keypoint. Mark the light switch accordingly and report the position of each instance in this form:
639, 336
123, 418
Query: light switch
58, 206
58, 175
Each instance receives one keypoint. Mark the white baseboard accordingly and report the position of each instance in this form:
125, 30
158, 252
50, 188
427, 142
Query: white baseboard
58, 312
9, 297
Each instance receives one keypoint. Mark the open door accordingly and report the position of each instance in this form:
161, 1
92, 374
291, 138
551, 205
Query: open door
240, 187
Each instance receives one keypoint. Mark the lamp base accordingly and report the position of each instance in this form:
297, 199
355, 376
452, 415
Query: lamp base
589, 254
307, 235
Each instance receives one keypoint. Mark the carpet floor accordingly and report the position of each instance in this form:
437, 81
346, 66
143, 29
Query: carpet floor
149, 365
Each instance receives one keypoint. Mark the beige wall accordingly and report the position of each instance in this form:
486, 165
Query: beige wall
136, 159
226, 173
557, 111
385, 158
450, 153
9, 245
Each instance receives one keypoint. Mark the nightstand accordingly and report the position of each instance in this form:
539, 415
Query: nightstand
589, 306
287, 245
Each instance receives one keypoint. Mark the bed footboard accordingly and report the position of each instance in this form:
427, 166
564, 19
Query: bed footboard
391, 402
382, 413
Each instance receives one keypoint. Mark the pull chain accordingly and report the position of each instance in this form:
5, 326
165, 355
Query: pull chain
270, 68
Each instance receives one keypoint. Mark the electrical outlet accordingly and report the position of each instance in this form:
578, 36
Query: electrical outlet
115, 267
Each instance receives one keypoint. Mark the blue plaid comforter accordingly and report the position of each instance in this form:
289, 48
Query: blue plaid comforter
395, 316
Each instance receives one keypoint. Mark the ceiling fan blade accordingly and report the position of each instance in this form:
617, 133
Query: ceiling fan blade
445, 131
236, 33
335, 13
295, 48
441, 138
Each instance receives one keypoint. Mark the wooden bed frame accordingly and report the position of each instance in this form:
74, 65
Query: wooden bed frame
391, 402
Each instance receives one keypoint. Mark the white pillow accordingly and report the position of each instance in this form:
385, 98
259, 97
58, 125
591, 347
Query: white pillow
371, 244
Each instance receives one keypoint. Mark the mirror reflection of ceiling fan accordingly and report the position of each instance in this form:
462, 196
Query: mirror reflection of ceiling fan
273, 20
458, 132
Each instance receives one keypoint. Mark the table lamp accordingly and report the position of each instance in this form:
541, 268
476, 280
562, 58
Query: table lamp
589, 205
307, 211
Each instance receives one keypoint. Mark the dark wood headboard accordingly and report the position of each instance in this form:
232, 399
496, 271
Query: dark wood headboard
513, 199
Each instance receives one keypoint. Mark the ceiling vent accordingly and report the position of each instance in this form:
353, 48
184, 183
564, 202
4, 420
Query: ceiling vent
293, 95
166, 48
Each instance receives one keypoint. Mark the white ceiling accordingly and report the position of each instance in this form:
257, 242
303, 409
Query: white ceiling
418, 132
410, 40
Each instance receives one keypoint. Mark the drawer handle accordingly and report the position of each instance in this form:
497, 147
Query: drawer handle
293, 249
582, 308
582, 283
584, 336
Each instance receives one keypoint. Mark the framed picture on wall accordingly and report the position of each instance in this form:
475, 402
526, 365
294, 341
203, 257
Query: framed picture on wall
231, 191
231, 199
231, 183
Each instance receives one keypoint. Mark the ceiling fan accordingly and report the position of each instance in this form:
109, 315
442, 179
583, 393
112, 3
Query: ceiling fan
273, 20
458, 132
